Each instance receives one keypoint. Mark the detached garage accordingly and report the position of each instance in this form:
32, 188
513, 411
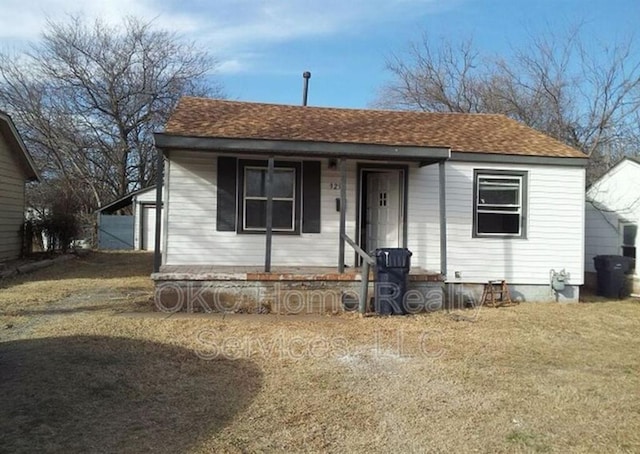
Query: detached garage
129, 222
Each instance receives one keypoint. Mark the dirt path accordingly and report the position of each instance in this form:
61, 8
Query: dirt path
107, 283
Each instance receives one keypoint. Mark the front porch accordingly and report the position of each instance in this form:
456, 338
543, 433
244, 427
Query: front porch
283, 290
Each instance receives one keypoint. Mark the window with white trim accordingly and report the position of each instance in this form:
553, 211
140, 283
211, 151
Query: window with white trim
628, 233
254, 199
499, 204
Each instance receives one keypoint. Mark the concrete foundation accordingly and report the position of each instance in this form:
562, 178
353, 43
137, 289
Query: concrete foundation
289, 297
469, 294
317, 291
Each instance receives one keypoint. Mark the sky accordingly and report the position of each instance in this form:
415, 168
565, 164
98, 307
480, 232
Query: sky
264, 46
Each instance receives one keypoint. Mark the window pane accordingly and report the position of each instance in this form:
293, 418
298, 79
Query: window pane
282, 215
283, 181
498, 195
629, 233
255, 216
255, 181
499, 223
629, 251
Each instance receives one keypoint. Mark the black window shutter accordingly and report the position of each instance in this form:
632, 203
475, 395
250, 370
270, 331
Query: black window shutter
311, 196
226, 213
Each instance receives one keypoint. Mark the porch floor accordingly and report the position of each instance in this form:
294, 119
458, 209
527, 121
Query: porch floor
256, 273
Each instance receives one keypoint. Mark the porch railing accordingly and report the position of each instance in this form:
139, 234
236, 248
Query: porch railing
367, 261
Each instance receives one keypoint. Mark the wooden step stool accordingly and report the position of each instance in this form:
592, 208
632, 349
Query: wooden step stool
496, 294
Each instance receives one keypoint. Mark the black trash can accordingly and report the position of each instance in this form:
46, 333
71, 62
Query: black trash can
392, 280
612, 279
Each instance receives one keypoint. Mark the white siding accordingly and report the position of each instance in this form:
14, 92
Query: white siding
423, 217
613, 199
192, 237
555, 229
619, 190
147, 198
137, 226
554, 232
601, 235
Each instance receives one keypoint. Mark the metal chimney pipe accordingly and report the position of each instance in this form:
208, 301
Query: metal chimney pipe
305, 89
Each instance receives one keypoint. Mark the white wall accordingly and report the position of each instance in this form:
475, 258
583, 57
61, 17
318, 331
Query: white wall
193, 239
555, 229
423, 217
613, 199
619, 190
147, 197
601, 235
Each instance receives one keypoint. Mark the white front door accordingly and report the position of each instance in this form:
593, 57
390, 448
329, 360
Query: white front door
384, 206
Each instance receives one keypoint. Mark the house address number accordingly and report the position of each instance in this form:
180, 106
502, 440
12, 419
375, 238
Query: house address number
335, 186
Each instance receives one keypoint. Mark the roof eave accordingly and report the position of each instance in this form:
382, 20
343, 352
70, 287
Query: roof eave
497, 158
123, 201
165, 141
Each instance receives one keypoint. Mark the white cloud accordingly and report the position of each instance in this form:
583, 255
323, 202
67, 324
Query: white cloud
228, 28
256, 22
25, 20
232, 66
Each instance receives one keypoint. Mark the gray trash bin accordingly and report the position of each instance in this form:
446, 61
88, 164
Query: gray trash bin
392, 280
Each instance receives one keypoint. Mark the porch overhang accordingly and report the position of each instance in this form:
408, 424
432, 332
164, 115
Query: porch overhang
297, 148
422, 155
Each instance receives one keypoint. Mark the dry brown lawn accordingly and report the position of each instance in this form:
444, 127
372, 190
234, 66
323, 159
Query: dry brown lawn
87, 366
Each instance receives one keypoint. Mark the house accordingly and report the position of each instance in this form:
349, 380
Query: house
613, 216
117, 230
16, 168
474, 197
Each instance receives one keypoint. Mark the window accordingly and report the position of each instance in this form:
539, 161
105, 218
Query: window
230, 208
499, 203
628, 233
253, 197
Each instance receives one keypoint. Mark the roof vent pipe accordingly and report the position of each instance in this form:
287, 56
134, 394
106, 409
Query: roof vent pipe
305, 87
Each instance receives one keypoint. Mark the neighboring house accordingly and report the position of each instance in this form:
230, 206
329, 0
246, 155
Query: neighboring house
613, 215
124, 231
475, 197
16, 168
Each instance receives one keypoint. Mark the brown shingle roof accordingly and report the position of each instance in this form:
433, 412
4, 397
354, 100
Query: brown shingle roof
469, 133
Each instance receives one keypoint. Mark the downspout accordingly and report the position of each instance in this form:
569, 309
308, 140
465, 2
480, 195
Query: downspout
442, 181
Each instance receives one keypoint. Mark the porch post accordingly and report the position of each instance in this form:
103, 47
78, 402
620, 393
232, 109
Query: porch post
442, 180
157, 255
269, 233
364, 287
343, 213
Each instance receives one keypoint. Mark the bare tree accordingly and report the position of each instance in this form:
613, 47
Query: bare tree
589, 100
88, 96
434, 78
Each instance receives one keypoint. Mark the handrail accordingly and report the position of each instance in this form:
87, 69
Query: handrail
359, 250
367, 260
